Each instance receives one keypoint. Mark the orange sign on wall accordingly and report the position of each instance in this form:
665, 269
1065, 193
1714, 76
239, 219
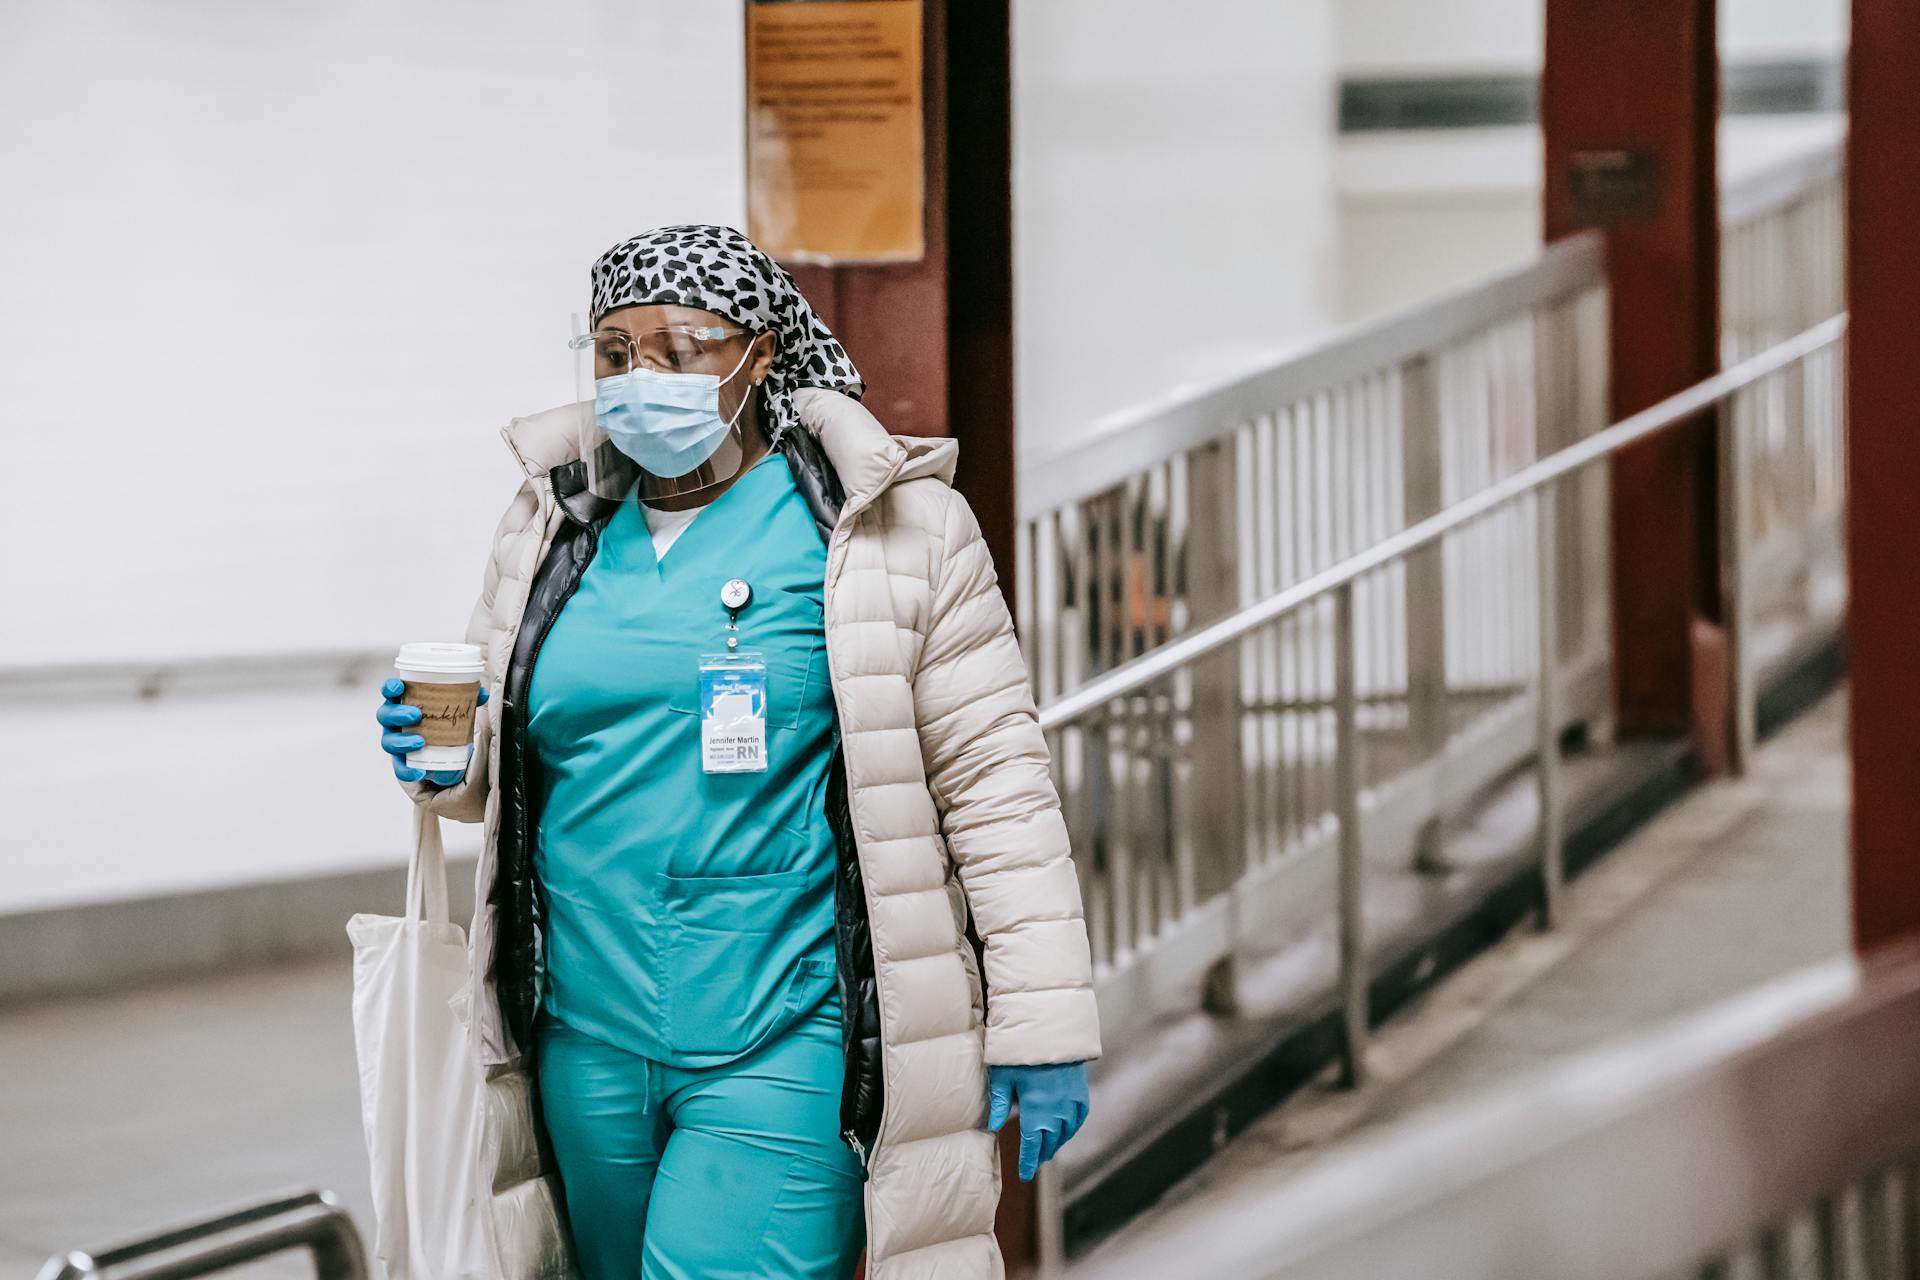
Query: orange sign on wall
834, 130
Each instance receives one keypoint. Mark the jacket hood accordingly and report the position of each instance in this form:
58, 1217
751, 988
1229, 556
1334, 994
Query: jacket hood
868, 460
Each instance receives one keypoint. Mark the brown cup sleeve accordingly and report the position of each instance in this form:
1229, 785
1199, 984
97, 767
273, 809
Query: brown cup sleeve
446, 711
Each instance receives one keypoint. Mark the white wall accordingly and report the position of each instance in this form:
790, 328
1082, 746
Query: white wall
275, 276
1399, 37
1174, 207
1422, 213
1414, 36
1751, 30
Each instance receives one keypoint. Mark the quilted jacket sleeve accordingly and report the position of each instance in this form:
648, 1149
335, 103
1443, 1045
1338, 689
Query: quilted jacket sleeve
987, 767
466, 800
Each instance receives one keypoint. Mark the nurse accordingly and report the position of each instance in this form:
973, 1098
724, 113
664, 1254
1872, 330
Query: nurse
759, 743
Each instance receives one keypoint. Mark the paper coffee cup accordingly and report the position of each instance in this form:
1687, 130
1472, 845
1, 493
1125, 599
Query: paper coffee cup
443, 680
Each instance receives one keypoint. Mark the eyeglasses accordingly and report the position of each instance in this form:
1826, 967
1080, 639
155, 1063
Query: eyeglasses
680, 348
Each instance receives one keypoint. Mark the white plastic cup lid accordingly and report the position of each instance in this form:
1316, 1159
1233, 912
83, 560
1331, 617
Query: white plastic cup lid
439, 658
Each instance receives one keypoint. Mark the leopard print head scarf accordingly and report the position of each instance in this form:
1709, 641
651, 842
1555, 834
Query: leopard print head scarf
719, 270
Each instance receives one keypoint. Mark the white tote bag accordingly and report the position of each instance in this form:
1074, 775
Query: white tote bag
420, 1087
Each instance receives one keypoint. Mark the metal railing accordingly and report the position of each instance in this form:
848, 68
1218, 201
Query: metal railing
1782, 251
1774, 1137
1314, 621
1212, 790
312, 1220
1782, 270
1205, 808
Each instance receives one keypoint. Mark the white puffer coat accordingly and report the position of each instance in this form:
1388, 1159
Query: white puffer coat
953, 810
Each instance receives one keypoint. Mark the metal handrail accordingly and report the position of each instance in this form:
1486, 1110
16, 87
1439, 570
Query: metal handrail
1136, 437
1667, 1153
1782, 182
311, 1220
1136, 675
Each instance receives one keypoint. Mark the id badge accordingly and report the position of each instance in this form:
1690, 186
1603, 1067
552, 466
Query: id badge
733, 713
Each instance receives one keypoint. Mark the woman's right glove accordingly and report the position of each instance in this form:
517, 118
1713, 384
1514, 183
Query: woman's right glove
395, 718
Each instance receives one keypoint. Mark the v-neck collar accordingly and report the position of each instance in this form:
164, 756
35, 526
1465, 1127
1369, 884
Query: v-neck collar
703, 516
673, 525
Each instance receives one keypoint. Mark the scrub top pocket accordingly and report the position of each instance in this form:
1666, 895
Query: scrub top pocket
791, 681
735, 950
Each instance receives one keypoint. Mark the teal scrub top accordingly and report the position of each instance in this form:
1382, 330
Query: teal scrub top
689, 916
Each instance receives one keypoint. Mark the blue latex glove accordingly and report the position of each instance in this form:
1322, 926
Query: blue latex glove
1053, 1106
395, 717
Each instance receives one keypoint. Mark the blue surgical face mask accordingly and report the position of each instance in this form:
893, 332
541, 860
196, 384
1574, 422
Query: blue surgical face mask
669, 423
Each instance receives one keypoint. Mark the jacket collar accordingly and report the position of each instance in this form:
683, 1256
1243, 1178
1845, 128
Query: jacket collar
867, 459
543, 441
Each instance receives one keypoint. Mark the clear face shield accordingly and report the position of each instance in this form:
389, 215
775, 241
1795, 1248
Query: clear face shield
670, 405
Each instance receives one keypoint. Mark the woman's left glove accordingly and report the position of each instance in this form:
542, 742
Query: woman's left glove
1053, 1106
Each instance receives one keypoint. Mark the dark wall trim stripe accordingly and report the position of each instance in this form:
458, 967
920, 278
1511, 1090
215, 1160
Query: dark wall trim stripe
1370, 103
88, 948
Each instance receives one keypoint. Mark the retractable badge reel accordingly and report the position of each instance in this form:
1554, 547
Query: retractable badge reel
733, 696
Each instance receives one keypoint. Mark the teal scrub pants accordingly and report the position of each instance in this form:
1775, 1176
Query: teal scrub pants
675, 1173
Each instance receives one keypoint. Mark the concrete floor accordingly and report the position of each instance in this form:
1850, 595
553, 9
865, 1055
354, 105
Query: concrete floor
127, 1114
1739, 883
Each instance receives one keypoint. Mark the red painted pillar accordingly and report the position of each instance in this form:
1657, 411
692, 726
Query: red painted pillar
1883, 465
1629, 99
934, 338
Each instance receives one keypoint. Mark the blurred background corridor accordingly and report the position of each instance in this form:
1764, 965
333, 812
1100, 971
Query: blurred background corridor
1375, 819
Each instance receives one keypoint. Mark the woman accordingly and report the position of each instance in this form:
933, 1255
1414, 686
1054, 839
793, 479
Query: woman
756, 742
